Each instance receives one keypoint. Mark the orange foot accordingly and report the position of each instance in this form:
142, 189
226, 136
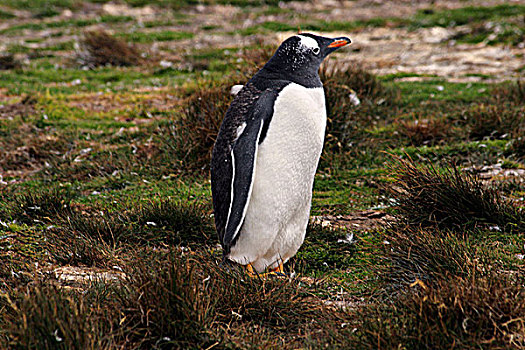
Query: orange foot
250, 271
278, 271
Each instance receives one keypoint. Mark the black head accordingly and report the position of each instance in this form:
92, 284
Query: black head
299, 57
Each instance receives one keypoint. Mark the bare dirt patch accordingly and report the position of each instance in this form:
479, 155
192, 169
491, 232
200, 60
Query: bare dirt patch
82, 277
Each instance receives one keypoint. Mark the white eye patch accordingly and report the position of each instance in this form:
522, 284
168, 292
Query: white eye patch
308, 43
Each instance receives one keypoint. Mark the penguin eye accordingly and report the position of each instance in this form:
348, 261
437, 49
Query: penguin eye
316, 50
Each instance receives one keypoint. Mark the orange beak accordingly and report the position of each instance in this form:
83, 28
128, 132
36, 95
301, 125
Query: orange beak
339, 43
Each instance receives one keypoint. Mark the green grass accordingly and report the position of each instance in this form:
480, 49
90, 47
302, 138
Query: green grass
415, 93
54, 81
38, 6
338, 193
6, 15
424, 18
75, 23
63, 46
465, 15
165, 35
320, 26
501, 32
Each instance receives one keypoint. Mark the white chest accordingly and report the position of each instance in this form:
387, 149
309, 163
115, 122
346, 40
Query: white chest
288, 156
300, 111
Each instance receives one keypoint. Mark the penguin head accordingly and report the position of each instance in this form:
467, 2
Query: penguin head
301, 55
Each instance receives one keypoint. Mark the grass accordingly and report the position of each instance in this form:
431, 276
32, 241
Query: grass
456, 313
166, 35
450, 199
66, 23
318, 26
194, 134
9, 62
104, 174
6, 15
466, 15
167, 300
474, 16
41, 6
101, 49
507, 33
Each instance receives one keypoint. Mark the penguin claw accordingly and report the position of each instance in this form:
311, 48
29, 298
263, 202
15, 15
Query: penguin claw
250, 271
275, 272
279, 269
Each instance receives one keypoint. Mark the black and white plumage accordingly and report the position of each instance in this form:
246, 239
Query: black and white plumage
266, 154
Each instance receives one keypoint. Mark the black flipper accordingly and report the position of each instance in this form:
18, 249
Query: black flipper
244, 155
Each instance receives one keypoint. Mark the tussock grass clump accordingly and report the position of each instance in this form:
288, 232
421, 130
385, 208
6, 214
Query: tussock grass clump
428, 254
111, 228
8, 61
45, 204
190, 301
97, 236
509, 92
179, 222
44, 316
450, 199
256, 58
423, 131
456, 313
166, 303
193, 135
98, 48
86, 238
67, 247
494, 121
20, 247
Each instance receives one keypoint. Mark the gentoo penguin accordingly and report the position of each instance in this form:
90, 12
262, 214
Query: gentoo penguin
266, 154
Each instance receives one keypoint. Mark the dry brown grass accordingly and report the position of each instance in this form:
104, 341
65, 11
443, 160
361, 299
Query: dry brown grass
428, 254
462, 313
8, 61
509, 92
516, 148
423, 131
450, 199
167, 300
98, 48
45, 316
494, 121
